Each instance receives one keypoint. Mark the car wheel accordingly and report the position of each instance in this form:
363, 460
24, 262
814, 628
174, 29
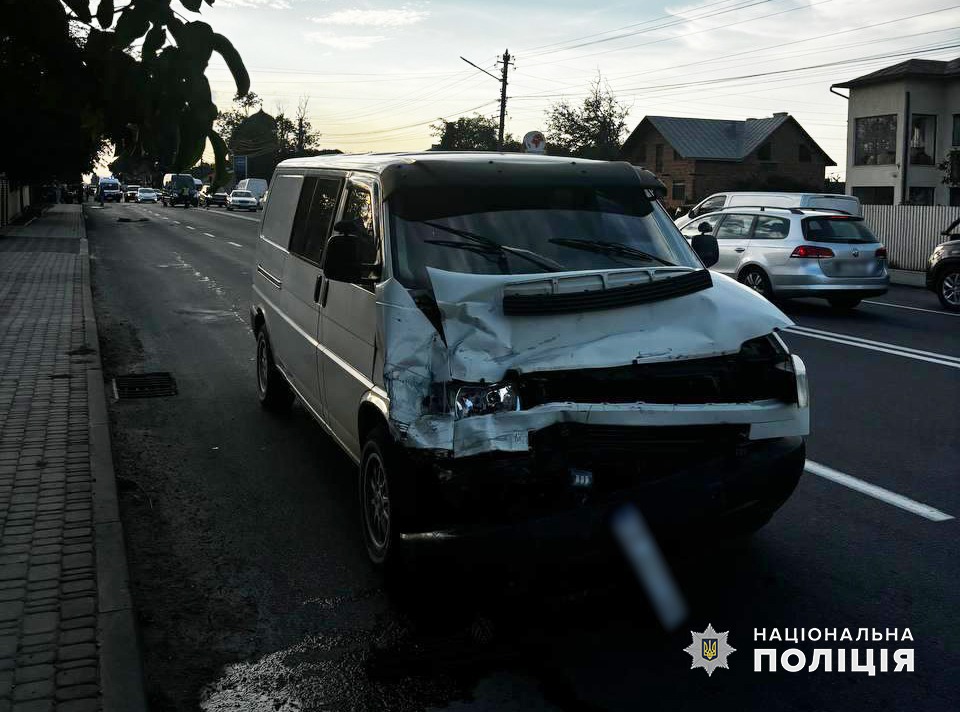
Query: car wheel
844, 303
757, 280
948, 289
272, 388
379, 499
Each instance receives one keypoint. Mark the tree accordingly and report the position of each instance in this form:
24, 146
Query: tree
950, 166
594, 129
473, 133
228, 121
73, 79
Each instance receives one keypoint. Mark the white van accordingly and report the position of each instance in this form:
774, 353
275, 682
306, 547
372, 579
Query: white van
108, 189
849, 204
257, 186
517, 344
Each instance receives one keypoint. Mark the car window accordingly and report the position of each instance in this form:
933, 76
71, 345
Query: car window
837, 229
734, 227
710, 204
771, 228
315, 211
692, 229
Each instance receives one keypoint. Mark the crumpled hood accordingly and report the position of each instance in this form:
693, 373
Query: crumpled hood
483, 343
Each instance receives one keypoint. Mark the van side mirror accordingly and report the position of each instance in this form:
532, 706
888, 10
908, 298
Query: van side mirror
707, 249
347, 256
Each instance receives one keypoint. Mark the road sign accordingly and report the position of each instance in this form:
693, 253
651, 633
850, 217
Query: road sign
239, 167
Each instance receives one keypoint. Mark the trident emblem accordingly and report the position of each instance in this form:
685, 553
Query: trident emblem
709, 648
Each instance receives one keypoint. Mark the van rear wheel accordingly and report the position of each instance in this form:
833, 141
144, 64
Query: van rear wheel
272, 388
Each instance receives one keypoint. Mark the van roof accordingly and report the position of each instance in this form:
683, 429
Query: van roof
431, 167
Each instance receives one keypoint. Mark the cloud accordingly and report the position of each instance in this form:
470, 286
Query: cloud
374, 18
344, 41
269, 4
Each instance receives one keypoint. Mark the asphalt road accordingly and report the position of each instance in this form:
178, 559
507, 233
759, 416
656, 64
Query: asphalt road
254, 593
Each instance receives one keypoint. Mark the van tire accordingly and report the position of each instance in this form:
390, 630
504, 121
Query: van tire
380, 499
272, 388
757, 280
844, 303
947, 282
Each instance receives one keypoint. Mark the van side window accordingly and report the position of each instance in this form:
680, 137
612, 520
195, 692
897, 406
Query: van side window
359, 210
315, 210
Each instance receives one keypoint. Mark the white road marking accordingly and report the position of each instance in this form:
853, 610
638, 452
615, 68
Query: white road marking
895, 350
209, 235
176, 222
231, 215
904, 306
884, 495
234, 244
190, 227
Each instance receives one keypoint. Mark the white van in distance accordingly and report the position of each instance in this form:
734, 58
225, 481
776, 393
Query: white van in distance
849, 204
514, 345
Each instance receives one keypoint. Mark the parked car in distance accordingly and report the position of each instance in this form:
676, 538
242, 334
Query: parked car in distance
257, 186
242, 200
211, 196
130, 193
943, 269
798, 252
482, 361
849, 204
179, 189
147, 195
108, 189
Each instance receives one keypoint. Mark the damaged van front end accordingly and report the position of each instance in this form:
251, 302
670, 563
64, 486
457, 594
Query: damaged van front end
542, 401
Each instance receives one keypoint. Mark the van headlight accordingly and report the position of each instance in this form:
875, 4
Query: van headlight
484, 400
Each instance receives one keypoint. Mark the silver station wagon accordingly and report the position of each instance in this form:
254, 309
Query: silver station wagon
798, 252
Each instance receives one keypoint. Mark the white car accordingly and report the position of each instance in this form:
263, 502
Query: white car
147, 195
242, 200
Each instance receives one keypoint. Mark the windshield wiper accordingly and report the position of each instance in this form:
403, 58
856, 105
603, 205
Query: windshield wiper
490, 246
609, 248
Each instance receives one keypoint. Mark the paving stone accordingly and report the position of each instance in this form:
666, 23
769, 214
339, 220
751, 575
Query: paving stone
44, 572
36, 658
78, 586
40, 623
88, 705
12, 571
33, 706
76, 607
6, 684
74, 652
76, 561
76, 676
72, 624
8, 647
38, 689
75, 692
10, 610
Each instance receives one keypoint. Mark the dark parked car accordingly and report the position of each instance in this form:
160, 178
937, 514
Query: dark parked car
943, 269
211, 196
179, 189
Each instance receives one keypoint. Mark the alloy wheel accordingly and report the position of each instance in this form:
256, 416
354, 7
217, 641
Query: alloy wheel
263, 367
376, 502
755, 281
950, 288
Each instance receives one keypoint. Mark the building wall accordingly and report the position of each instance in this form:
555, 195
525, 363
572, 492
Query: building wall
702, 178
927, 96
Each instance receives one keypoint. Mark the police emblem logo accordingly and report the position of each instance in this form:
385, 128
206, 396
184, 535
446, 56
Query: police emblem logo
709, 650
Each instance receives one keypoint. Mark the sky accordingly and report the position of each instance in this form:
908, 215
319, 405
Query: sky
377, 73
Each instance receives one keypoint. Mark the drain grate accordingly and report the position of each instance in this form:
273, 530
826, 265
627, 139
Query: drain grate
144, 385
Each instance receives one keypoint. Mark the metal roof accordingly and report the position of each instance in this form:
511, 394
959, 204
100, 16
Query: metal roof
919, 68
716, 138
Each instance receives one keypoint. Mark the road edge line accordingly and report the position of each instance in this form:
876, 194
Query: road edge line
121, 668
877, 492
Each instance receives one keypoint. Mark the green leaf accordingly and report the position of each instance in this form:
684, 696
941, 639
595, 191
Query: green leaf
81, 8
230, 55
191, 5
219, 158
105, 13
153, 42
132, 25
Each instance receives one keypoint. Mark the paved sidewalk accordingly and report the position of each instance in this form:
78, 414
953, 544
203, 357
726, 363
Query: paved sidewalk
67, 639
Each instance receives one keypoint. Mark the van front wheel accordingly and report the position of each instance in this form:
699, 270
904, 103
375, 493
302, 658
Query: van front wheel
378, 499
272, 388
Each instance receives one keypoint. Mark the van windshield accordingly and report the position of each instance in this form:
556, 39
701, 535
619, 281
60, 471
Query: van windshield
523, 230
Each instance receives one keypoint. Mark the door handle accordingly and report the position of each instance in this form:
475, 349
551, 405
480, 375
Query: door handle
323, 293
739, 249
316, 288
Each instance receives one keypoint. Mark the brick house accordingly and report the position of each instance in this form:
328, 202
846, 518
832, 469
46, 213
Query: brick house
697, 157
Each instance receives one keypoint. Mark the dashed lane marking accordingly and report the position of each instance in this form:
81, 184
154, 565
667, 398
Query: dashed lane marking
884, 495
190, 227
235, 244
881, 346
209, 235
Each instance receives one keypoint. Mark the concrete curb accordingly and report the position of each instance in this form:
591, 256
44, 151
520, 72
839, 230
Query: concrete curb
908, 278
121, 669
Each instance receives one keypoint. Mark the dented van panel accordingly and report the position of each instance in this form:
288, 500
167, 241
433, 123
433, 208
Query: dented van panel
480, 344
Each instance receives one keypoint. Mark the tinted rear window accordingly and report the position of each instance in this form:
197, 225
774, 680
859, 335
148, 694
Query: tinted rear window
836, 230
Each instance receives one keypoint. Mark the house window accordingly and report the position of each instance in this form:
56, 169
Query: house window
875, 140
874, 195
642, 153
764, 152
803, 154
956, 130
923, 139
658, 158
679, 191
921, 195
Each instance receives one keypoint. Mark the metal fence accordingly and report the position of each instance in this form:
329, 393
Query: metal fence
909, 232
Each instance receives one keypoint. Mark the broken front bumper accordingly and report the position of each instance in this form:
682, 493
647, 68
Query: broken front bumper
565, 486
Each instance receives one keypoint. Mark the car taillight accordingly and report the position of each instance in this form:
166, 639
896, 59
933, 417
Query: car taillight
812, 251
881, 253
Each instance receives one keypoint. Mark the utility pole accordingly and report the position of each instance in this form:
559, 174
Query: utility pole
505, 60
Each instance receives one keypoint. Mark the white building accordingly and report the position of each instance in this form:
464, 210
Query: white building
901, 122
